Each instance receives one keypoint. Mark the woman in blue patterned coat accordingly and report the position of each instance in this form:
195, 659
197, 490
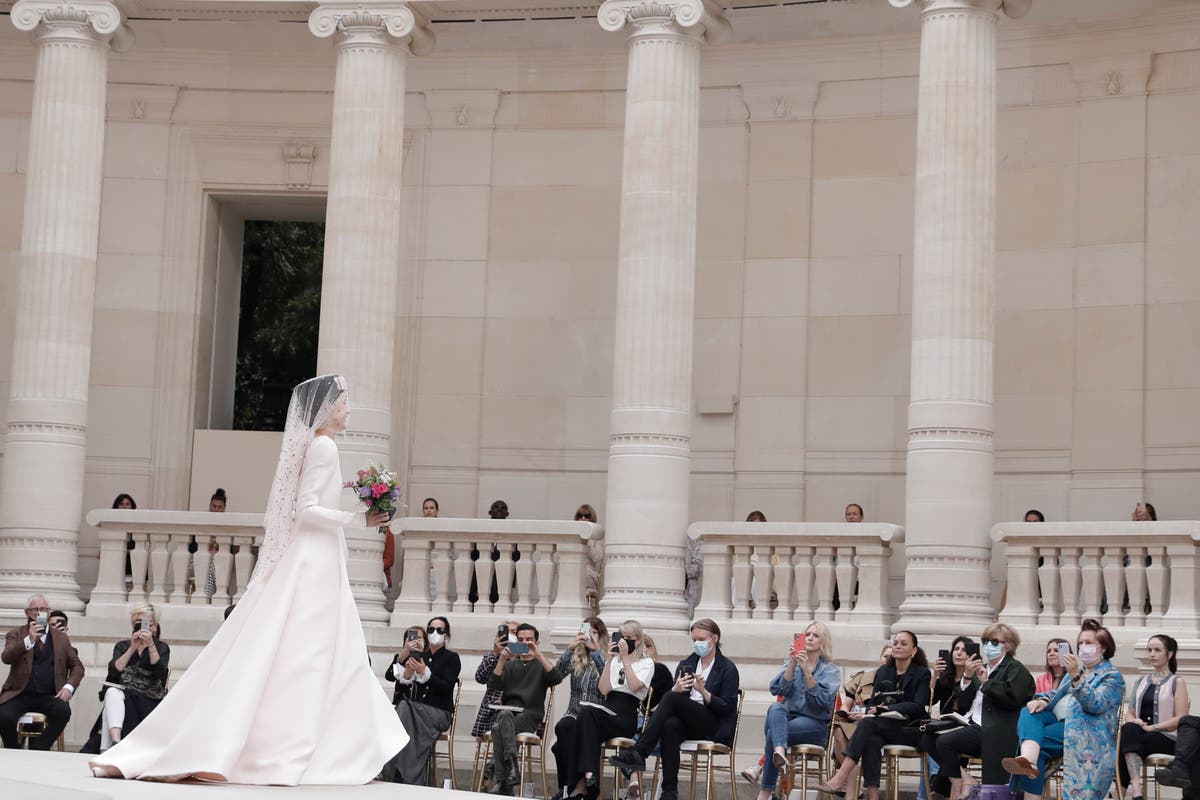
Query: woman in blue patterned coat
1083, 713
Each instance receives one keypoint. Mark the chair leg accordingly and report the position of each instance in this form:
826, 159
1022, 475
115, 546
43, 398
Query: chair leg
695, 765
545, 782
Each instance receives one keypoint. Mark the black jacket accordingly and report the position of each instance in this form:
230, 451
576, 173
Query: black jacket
444, 667
913, 686
722, 683
1004, 695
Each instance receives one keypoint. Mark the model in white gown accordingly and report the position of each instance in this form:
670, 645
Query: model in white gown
284, 693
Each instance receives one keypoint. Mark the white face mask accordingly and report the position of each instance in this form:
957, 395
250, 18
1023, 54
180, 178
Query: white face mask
437, 639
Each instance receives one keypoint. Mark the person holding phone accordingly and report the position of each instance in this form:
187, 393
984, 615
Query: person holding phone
948, 672
1049, 680
522, 675
702, 704
994, 687
137, 681
581, 663
1156, 705
44, 671
857, 691
902, 693
1077, 721
487, 664
807, 687
426, 672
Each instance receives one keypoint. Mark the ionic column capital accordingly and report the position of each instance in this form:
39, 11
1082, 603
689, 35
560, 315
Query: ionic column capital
698, 18
372, 23
1012, 8
85, 20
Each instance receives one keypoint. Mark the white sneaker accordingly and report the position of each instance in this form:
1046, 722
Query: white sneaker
753, 773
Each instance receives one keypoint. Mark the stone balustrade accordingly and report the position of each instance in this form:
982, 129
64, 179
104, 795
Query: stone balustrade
1126, 574
540, 567
790, 571
159, 557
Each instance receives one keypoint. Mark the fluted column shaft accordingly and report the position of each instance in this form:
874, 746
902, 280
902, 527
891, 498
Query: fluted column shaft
363, 245
649, 453
41, 483
950, 455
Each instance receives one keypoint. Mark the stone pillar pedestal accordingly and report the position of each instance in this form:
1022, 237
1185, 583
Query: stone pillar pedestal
41, 484
363, 227
950, 421
649, 454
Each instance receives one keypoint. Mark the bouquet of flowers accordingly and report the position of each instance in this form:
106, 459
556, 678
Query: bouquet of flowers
378, 490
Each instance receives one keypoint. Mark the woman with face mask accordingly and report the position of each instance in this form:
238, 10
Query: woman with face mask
993, 689
702, 704
1082, 713
425, 672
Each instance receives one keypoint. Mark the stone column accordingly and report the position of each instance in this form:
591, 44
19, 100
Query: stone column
363, 225
649, 451
948, 508
41, 483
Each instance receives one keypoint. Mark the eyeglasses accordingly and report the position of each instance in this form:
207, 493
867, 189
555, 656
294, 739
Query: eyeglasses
436, 629
994, 642
38, 609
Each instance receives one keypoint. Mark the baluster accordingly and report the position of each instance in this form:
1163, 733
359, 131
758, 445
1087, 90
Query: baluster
138, 561
782, 580
1112, 566
224, 560
158, 568
1135, 581
504, 579
763, 568
1068, 573
414, 580
716, 587
847, 575
179, 563
1021, 607
439, 590
464, 570
1049, 579
824, 578
543, 576
872, 579
739, 589
1092, 590
803, 573
243, 565
110, 577
524, 569
568, 579
1156, 583
1180, 614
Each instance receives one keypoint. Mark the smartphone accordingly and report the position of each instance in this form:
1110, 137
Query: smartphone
501, 630
417, 655
972, 649
841, 713
586, 630
797, 643
412, 636
518, 648
685, 670
43, 618
616, 637
944, 655
1064, 648
144, 624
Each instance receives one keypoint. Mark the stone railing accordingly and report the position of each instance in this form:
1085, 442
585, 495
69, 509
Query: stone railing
1134, 574
794, 570
158, 558
540, 568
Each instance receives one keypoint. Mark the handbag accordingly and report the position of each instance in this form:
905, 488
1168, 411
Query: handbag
937, 725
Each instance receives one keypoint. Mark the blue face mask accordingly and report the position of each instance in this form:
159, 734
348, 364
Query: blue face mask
992, 651
702, 648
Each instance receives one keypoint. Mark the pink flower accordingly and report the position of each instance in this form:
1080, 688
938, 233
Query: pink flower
362, 473
379, 489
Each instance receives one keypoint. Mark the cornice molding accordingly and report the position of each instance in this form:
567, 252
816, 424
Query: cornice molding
1014, 9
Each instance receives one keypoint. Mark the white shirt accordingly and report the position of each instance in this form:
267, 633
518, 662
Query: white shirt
643, 668
702, 671
976, 712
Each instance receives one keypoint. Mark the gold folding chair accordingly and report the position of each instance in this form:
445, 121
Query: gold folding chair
483, 752
446, 736
1149, 764
803, 756
527, 742
698, 750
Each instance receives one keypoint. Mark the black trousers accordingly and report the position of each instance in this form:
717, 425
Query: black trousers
677, 719
596, 728
949, 746
58, 714
866, 746
1136, 739
565, 749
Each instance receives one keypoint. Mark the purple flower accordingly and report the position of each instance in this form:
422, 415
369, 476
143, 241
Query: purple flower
365, 492
395, 493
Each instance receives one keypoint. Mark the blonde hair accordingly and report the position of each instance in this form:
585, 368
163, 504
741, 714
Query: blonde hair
634, 629
581, 658
1012, 638
145, 609
826, 638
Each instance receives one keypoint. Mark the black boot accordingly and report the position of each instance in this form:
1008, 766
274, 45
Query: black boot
1176, 775
1187, 752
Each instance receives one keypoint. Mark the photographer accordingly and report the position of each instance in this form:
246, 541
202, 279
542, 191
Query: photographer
425, 672
901, 693
44, 671
582, 662
487, 664
702, 704
522, 675
140, 666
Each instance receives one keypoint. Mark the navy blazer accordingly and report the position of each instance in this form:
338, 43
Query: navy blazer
722, 683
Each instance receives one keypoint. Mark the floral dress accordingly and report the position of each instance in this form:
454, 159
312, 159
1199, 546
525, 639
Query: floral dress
1090, 755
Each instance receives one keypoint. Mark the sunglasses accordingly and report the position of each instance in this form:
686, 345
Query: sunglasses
436, 629
585, 517
994, 642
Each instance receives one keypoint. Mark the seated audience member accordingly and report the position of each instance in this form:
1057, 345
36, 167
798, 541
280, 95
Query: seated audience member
44, 670
585, 513
125, 501
662, 680
756, 516
901, 686
522, 680
993, 689
1144, 512
140, 664
702, 704
425, 677
1156, 705
581, 663
807, 687
624, 682
949, 698
487, 665
58, 621
1033, 515
430, 507
1080, 713
1049, 680
858, 690
1184, 771
854, 513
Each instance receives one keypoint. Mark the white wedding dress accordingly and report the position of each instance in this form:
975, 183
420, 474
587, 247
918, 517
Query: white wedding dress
284, 693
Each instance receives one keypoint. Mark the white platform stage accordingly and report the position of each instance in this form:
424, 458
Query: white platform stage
29, 775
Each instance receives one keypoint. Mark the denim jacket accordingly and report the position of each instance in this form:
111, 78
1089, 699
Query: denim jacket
799, 700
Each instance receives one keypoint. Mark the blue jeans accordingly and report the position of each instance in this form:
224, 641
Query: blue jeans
779, 731
1045, 729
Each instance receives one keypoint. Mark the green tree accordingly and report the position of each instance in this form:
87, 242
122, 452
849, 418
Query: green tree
279, 318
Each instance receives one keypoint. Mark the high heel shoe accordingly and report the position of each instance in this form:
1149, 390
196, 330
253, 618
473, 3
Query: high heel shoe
825, 788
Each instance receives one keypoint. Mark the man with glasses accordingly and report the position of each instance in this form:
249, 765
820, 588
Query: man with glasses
44, 670
522, 678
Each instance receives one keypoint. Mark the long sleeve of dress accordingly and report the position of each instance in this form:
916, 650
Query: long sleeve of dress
320, 468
